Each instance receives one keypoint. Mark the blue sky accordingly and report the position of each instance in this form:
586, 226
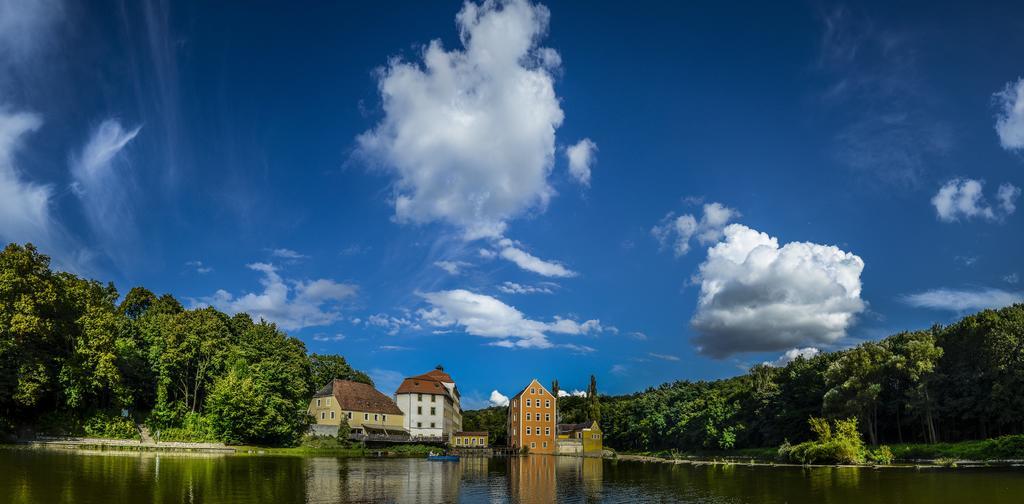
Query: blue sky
521, 190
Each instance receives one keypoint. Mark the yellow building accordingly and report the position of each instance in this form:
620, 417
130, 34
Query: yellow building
367, 411
585, 438
531, 419
469, 440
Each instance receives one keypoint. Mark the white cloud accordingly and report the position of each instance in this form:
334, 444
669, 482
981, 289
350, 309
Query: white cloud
285, 253
510, 251
470, 134
498, 399
619, 369
637, 335
488, 317
292, 305
964, 199
102, 183
791, 355
393, 348
963, 300
1007, 196
677, 231
515, 288
199, 267
24, 205
452, 267
574, 393
665, 357
581, 157
391, 323
1012, 278
757, 296
1010, 118
327, 337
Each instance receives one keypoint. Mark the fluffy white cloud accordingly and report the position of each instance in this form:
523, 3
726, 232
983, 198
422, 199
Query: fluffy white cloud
757, 296
498, 399
485, 316
963, 300
452, 267
511, 251
581, 157
470, 134
677, 231
515, 288
292, 305
24, 206
102, 184
964, 199
791, 355
1010, 117
574, 393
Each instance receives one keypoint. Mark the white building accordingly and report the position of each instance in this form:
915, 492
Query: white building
431, 404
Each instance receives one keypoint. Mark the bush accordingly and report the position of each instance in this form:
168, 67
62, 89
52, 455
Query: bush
839, 443
109, 425
883, 455
195, 428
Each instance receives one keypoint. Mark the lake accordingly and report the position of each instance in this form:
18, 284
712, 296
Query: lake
57, 476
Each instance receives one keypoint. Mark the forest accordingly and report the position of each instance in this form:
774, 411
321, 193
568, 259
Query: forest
943, 384
75, 361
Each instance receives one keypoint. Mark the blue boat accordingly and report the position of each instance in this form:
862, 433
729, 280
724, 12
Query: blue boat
443, 458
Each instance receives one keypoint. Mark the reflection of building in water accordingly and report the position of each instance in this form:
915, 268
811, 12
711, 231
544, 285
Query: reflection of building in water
532, 478
580, 474
376, 480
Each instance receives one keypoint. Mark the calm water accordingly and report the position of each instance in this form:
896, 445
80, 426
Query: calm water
34, 476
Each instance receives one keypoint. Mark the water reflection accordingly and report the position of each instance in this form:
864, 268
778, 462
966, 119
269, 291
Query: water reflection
35, 476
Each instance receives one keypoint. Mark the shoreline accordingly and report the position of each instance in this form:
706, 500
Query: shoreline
915, 464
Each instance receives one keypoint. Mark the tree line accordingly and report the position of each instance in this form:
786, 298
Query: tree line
944, 384
76, 359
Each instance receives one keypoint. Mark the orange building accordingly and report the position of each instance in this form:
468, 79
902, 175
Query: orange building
531, 419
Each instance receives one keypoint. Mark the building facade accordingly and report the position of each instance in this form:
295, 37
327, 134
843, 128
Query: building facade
583, 439
469, 439
531, 419
431, 404
366, 410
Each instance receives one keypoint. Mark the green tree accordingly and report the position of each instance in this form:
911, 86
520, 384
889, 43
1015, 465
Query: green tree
855, 382
325, 368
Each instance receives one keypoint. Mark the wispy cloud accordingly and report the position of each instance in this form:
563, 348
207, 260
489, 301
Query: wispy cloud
285, 253
512, 251
199, 267
664, 357
963, 300
582, 156
516, 288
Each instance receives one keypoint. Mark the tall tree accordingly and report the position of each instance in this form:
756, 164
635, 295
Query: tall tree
594, 405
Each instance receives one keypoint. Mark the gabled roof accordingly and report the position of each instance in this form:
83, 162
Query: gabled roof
428, 383
355, 396
531, 384
436, 374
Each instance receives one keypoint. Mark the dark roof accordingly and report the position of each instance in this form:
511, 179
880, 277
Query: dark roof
471, 433
436, 374
573, 427
355, 396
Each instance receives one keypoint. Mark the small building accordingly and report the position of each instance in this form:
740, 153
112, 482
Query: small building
431, 405
531, 419
367, 410
583, 438
469, 439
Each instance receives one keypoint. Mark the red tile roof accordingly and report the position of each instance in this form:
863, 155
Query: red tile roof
428, 383
355, 396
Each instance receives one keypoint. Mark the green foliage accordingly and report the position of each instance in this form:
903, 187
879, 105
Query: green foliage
494, 420
839, 443
1000, 448
882, 455
68, 351
344, 431
325, 368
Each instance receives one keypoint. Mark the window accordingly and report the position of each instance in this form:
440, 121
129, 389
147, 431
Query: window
419, 397
366, 416
322, 415
318, 403
545, 444
384, 418
332, 415
547, 417
527, 431
433, 410
527, 403
533, 445
433, 398
547, 431
458, 440
328, 401
533, 391
419, 410
474, 441
350, 415
432, 425
419, 424
376, 417
547, 404
527, 416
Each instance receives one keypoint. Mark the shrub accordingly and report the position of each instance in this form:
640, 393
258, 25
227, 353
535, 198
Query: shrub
110, 425
194, 428
838, 443
883, 455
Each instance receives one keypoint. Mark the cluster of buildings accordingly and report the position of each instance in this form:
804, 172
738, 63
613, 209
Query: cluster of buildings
427, 408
